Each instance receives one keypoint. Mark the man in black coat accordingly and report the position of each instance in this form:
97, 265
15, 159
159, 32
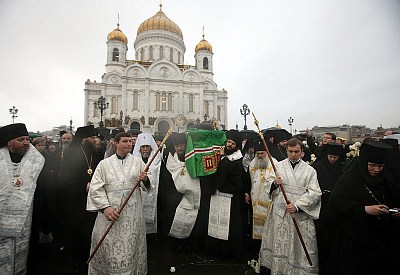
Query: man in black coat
79, 164
228, 182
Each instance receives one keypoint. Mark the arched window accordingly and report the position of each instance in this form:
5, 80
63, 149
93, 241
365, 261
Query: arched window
170, 102
114, 105
135, 100
135, 125
161, 52
163, 127
151, 53
206, 109
190, 103
171, 55
205, 63
157, 101
164, 102
115, 56
142, 54
219, 113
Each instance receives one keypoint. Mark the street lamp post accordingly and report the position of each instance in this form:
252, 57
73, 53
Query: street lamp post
290, 121
101, 104
70, 126
13, 112
245, 111
121, 114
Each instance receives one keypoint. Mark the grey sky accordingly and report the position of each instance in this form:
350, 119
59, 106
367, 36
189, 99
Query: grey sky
321, 62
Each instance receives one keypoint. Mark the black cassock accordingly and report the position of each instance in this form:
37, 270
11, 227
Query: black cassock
168, 199
229, 179
327, 174
363, 244
72, 196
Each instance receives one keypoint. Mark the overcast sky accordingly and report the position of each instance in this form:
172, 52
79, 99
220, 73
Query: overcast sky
320, 62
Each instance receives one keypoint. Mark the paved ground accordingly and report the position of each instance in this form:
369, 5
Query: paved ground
56, 258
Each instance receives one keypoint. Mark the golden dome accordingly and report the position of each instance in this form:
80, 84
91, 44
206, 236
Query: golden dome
203, 45
160, 22
118, 35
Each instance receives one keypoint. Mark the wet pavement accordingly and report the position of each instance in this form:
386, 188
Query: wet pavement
57, 258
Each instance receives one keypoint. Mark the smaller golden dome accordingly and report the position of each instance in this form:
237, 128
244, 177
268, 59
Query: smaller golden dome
117, 35
203, 45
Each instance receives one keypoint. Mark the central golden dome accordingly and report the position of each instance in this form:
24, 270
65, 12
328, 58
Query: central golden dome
160, 22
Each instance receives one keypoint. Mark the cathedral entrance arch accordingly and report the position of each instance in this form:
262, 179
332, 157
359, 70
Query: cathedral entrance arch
135, 125
163, 127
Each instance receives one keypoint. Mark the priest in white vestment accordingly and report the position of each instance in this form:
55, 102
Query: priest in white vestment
188, 208
20, 166
145, 149
124, 249
281, 249
261, 175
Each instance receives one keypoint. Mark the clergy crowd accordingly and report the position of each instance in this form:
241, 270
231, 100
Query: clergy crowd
291, 203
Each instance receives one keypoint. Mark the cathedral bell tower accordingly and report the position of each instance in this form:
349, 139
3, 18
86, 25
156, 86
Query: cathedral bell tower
117, 47
203, 57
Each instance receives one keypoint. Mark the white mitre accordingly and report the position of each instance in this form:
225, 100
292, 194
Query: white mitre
144, 139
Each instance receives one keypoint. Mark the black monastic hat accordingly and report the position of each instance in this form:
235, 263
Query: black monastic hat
115, 131
62, 132
85, 132
158, 138
178, 138
235, 136
374, 151
259, 145
12, 131
334, 149
392, 142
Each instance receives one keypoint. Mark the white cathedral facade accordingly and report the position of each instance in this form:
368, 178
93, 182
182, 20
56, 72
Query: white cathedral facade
156, 90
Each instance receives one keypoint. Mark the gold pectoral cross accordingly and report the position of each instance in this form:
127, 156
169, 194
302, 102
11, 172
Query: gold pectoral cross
182, 173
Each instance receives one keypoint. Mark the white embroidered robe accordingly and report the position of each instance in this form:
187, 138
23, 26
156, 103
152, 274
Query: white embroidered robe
124, 249
16, 208
281, 249
261, 179
188, 208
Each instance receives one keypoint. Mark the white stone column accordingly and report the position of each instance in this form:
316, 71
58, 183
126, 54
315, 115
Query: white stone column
86, 107
146, 126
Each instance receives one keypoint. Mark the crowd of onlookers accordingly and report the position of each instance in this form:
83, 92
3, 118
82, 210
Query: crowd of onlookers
342, 195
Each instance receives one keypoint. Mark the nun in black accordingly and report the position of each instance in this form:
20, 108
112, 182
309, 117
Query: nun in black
366, 231
329, 170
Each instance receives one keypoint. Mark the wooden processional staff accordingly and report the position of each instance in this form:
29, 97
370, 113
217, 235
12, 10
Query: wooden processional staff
129, 196
282, 190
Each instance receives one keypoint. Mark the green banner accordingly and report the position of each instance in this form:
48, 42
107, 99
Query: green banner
203, 151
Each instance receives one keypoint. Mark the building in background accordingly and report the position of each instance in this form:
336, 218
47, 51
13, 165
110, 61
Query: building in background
351, 133
156, 90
